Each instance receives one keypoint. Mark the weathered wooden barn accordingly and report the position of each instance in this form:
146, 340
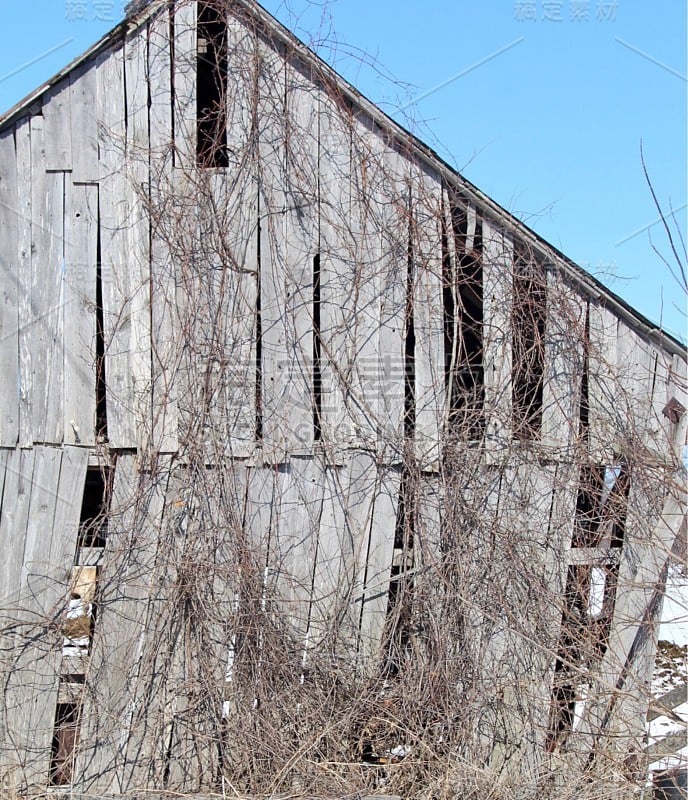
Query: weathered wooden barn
318, 469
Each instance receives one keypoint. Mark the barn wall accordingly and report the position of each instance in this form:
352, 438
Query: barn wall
320, 386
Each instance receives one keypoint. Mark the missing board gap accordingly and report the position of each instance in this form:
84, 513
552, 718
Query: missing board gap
93, 519
463, 323
528, 344
211, 85
64, 743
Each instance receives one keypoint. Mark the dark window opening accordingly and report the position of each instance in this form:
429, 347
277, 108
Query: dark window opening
586, 532
463, 308
64, 744
410, 344
601, 506
101, 397
528, 341
317, 352
211, 85
618, 505
94, 507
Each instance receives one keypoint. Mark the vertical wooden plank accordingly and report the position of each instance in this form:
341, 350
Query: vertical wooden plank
365, 379
277, 438
138, 232
336, 269
24, 187
497, 293
529, 566
15, 512
428, 318
431, 577
150, 659
84, 129
80, 255
31, 688
659, 428
9, 295
301, 232
390, 203
331, 624
184, 77
240, 222
654, 517
57, 127
602, 382
113, 224
164, 329
47, 252
378, 562
564, 355
360, 502
288, 158
13, 521
13, 524
41, 510
296, 543
5, 457
225, 336
178, 719
636, 374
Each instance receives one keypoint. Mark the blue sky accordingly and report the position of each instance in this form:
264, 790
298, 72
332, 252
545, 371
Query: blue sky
547, 113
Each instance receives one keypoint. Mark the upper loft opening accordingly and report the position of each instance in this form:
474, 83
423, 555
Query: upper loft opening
211, 89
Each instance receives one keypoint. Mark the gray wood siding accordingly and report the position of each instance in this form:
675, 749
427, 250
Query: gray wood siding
273, 340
